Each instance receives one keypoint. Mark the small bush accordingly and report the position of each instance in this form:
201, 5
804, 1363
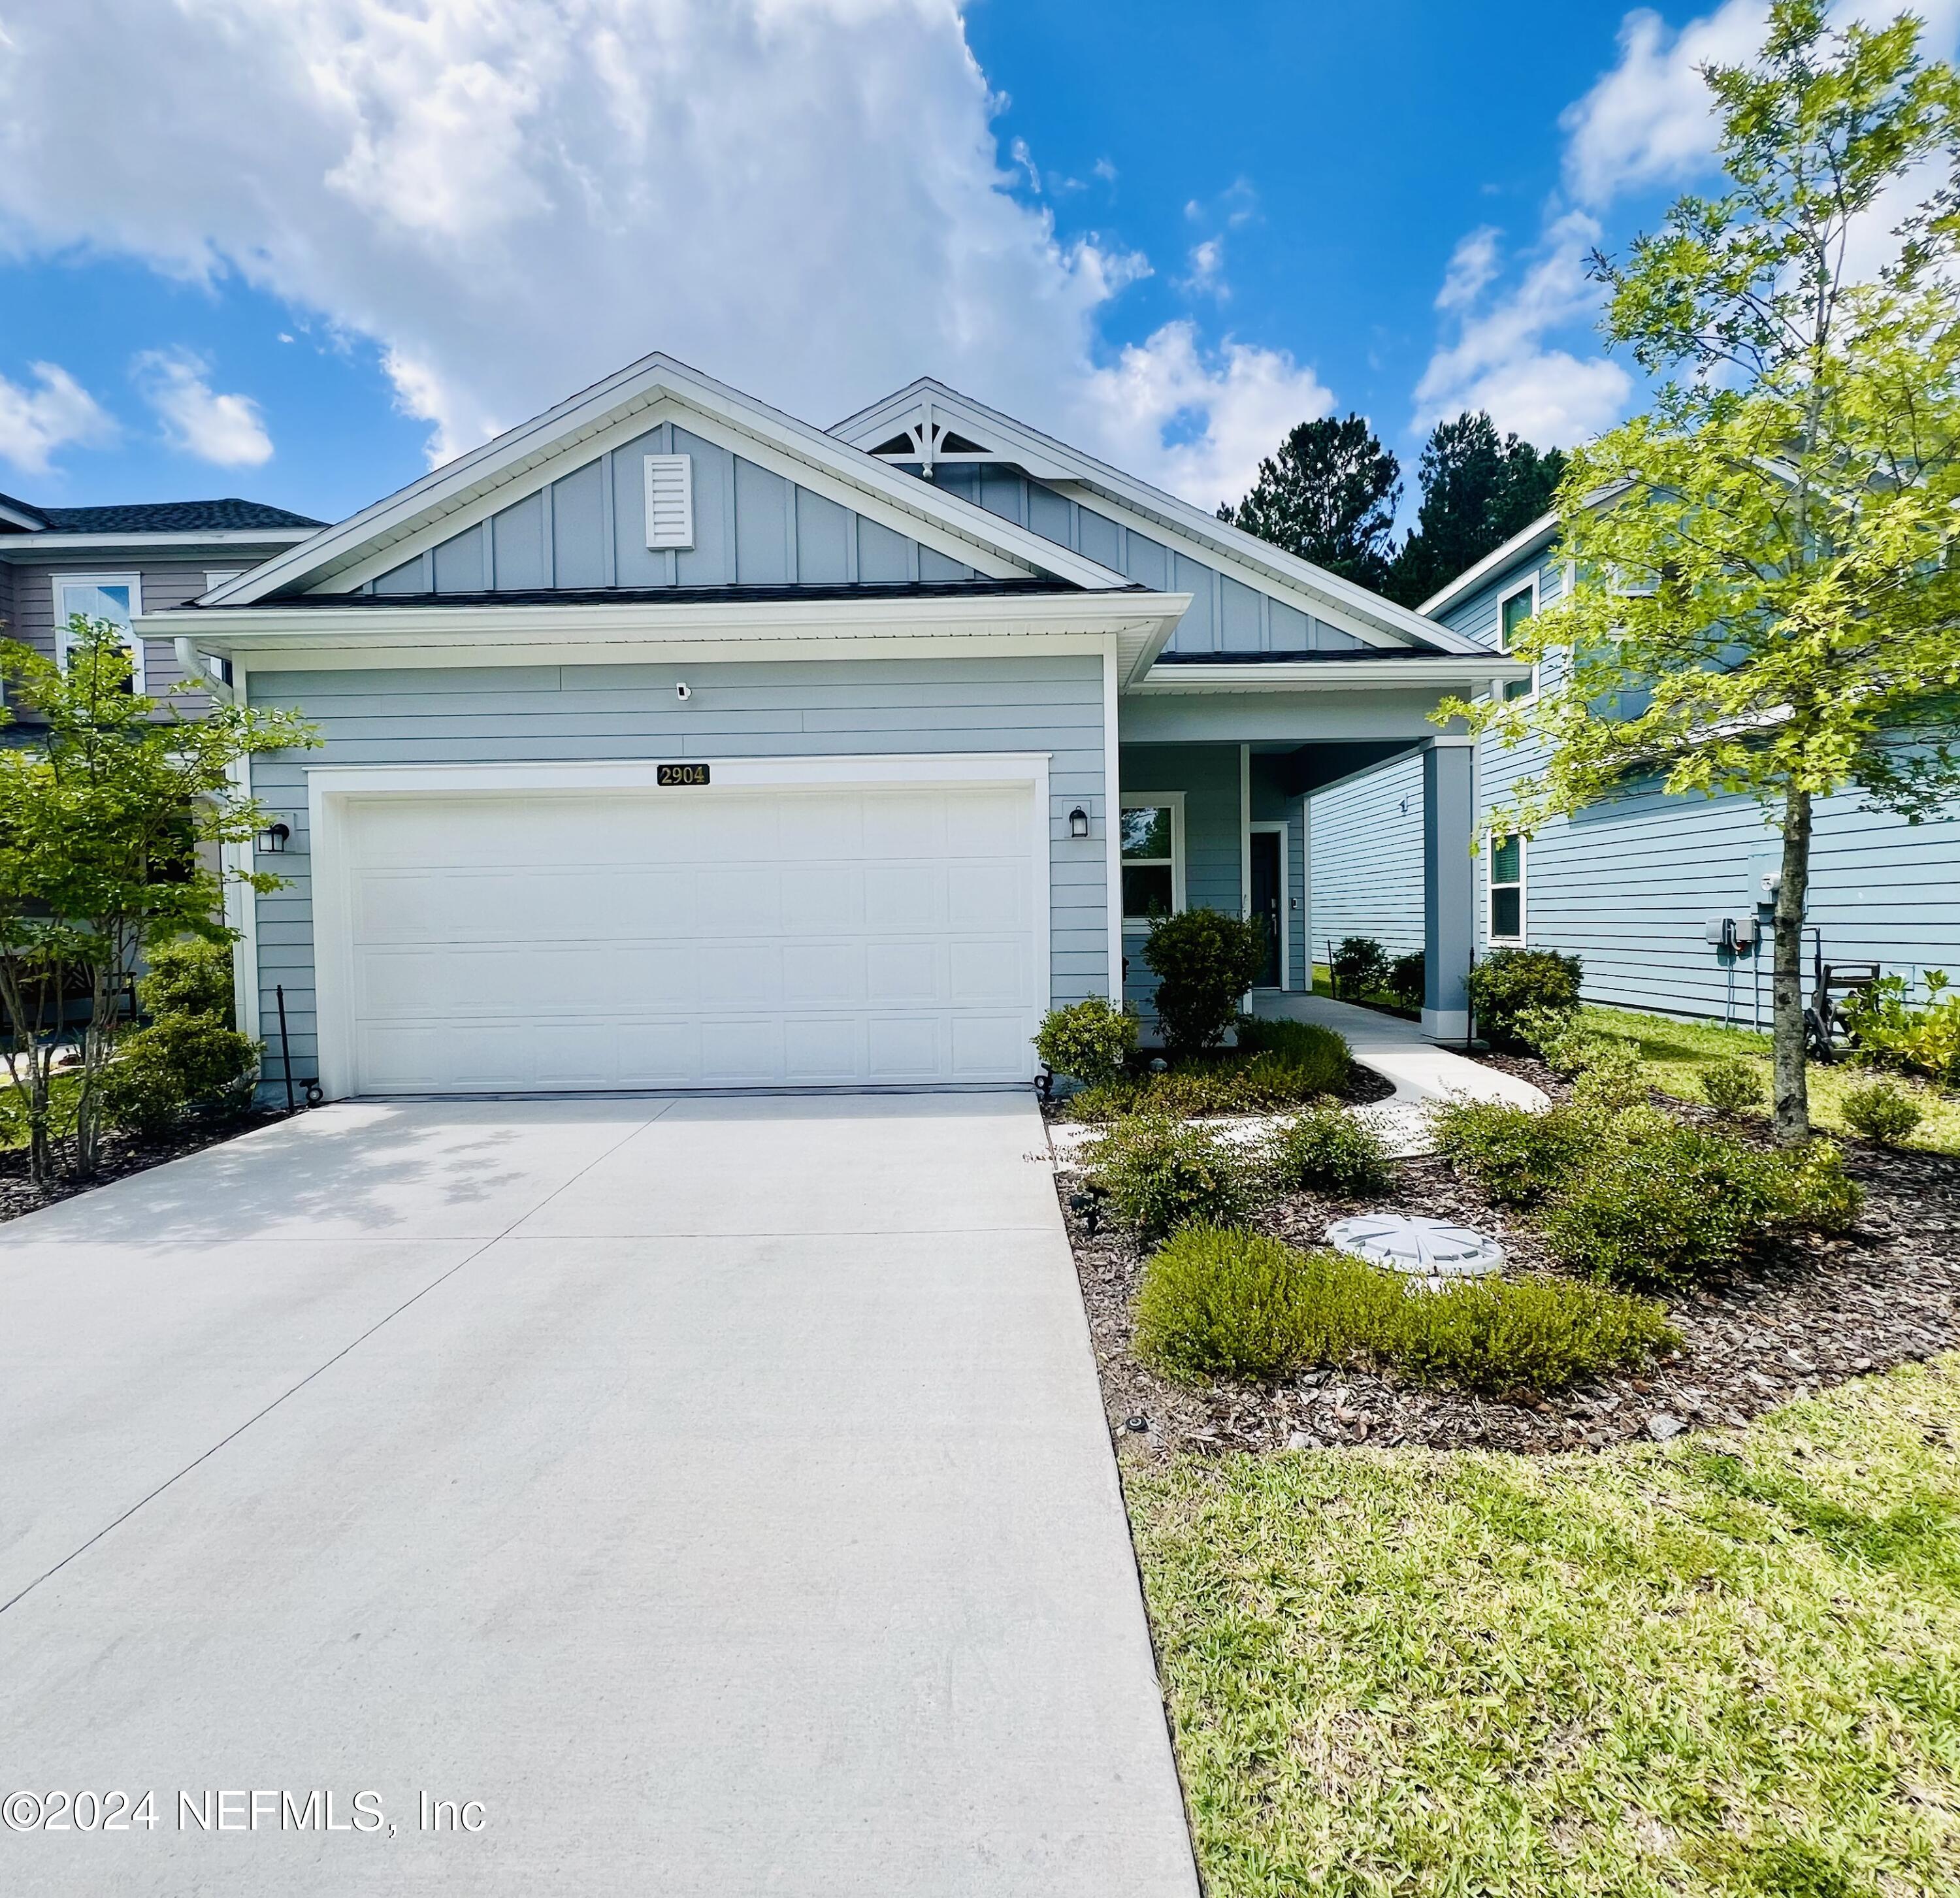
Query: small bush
1543, 1030
1358, 967
1924, 1039
1089, 1040
1278, 1065
1320, 1055
1516, 1157
1507, 982
1161, 1174
1810, 1191
1610, 1079
1235, 1304
1205, 961
1327, 1150
1407, 978
189, 977
179, 1064
1732, 1087
1883, 1111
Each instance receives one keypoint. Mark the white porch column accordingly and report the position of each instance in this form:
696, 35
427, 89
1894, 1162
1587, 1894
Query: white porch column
1448, 930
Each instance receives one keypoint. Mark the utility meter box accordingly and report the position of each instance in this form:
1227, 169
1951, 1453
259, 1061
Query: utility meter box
1765, 877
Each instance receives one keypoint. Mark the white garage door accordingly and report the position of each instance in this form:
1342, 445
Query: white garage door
690, 937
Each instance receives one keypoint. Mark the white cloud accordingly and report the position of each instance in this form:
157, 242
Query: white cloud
511, 198
1199, 424
1208, 266
58, 412
1501, 357
228, 430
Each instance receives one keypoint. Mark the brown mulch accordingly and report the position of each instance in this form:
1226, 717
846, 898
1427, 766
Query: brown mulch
122, 1153
1805, 1316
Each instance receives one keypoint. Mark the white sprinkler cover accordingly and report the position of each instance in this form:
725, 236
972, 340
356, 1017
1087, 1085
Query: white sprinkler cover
1422, 1248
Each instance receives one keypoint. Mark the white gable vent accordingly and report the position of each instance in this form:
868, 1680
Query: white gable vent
669, 500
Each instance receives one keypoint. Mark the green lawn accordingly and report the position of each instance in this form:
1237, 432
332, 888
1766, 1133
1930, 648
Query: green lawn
1680, 1672
1674, 1052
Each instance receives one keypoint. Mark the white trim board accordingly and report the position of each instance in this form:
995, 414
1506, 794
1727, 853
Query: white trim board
330, 788
1151, 801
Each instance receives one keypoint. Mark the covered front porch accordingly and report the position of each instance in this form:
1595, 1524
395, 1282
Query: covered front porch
1215, 787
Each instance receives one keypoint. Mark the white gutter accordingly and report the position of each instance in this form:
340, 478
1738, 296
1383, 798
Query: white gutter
12, 545
1465, 672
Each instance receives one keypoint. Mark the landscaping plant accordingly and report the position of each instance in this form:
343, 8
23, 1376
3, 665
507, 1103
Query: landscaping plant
1222, 1302
1407, 978
1319, 1056
1161, 1173
1512, 985
1327, 1150
1764, 597
1883, 1111
1088, 1040
1205, 961
188, 1057
1516, 1157
1358, 967
1277, 1065
1733, 1088
102, 810
1888, 1028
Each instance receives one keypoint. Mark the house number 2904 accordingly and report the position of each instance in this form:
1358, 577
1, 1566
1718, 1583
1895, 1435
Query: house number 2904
681, 775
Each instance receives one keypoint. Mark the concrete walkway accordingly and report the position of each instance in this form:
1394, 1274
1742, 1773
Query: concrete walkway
716, 1491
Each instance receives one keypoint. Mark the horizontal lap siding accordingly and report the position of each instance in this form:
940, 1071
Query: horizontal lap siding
1364, 859
542, 714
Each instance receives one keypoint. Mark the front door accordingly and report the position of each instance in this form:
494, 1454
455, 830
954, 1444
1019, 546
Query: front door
1268, 893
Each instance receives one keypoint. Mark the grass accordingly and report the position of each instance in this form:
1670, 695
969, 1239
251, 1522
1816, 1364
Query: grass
1380, 999
1677, 1672
1672, 1054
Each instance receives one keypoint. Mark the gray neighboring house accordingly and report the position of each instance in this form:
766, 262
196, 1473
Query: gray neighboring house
1633, 884
669, 741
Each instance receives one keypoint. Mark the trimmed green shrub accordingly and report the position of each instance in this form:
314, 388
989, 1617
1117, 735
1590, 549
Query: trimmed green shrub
1358, 967
1407, 978
1327, 1150
1265, 1084
1205, 961
179, 1064
1732, 1087
1542, 1030
1507, 982
1231, 1303
189, 977
1161, 1174
1611, 1080
1088, 1040
1320, 1055
1883, 1111
1515, 1156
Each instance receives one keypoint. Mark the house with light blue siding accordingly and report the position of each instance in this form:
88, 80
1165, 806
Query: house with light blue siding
1633, 884
668, 741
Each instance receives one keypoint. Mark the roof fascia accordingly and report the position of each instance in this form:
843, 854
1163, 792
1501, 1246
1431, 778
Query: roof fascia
19, 514
440, 495
1313, 589
1459, 671
216, 537
1530, 540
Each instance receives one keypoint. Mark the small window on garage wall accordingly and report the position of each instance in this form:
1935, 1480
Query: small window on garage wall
1507, 890
1153, 854
669, 500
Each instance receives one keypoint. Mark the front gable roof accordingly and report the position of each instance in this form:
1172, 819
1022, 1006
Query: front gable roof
451, 499
929, 423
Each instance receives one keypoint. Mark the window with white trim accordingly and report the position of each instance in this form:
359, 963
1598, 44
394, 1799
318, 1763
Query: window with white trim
1507, 890
1152, 850
1513, 611
115, 597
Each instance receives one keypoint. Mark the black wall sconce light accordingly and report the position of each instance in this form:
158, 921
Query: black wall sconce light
1078, 822
275, 837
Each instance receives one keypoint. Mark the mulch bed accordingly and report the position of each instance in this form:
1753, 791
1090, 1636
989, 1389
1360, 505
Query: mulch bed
1805, 1317
122, 1153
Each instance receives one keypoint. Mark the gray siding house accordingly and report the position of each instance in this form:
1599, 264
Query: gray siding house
1631, 884
669, 741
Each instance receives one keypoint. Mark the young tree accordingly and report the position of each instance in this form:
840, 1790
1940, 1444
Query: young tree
100, 817
1329, 495
1768, 594
1478, 489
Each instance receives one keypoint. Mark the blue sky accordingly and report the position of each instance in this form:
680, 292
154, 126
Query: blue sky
298, 252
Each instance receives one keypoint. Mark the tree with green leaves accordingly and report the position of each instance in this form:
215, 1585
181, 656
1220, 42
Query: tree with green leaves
102, 812
1478, 489
1329, 496
1767, 598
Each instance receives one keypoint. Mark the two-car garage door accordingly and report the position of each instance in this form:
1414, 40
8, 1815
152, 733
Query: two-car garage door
637, 937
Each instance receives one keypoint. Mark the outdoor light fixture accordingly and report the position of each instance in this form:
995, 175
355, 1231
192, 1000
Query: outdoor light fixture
1078, 822
275, 837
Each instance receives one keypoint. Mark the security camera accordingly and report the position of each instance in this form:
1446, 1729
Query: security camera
680, 689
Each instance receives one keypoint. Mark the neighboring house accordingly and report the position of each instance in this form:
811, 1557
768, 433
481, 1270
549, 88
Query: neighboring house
115, 563
1633, 884
670, 741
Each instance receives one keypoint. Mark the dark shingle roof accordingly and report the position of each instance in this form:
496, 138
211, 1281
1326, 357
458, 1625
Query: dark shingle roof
228, 515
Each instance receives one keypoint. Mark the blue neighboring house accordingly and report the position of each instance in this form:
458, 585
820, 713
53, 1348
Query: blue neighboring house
1633, 884
669, 740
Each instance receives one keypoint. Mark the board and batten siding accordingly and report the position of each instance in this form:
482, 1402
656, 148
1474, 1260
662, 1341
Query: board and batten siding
588, 529
788, 708
1629, 884
1365, 846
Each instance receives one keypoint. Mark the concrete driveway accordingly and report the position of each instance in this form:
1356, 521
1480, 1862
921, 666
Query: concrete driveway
715, 1491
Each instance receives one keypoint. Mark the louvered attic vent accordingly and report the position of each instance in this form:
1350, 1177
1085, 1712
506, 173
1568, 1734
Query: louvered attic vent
669, 500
